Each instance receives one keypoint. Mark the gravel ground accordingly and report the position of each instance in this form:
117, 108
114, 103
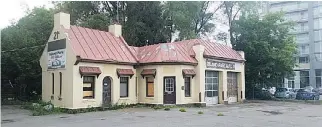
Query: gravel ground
251, 114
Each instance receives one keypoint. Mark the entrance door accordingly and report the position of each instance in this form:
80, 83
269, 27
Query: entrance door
211, 87
107, 90
169, 95
232, 86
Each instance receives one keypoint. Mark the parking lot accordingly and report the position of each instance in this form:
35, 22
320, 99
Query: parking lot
251, 114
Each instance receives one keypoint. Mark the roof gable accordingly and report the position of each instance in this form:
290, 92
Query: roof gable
93, 44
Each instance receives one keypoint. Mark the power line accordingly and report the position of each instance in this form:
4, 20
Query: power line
23, 48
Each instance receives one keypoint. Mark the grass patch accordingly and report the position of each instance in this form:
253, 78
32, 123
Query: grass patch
200, 112
182, 110
220, 114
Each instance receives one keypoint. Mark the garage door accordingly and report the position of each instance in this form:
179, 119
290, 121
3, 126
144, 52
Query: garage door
211, 87
232, 87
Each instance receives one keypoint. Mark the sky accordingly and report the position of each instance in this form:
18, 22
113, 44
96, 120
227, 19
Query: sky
12, 10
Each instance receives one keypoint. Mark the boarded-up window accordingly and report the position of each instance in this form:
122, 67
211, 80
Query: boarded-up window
124, 86
149, 86
88, 87
187, 87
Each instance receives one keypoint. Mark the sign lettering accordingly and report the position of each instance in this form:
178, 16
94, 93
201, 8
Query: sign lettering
57, 59
221, 65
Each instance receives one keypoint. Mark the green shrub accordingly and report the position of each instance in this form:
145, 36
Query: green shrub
167, 109
220, 114
71, 111
44, 108
200, 112
182, 110
157, 107
197, 105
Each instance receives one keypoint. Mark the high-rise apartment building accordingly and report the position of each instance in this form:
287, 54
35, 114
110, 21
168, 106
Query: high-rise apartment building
308, 33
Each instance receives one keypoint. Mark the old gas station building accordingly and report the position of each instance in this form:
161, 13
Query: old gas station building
83, 67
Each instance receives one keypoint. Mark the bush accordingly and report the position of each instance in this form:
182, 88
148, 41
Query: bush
198, 105
258, 93
157, 107
265, 95
167, 109
220, 114
182, 110
200, 112
45, 108
40, 108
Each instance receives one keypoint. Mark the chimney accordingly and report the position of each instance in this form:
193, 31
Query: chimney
242, 54
199, 50
115, 29
62, 19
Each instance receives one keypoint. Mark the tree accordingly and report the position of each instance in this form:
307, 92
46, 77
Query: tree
191, 19
22, 46
142, 21
96, 21
268, 47
144, 25
233, 9
79, 10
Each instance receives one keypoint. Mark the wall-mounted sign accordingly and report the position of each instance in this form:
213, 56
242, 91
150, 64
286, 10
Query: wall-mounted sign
56, 54
218, 64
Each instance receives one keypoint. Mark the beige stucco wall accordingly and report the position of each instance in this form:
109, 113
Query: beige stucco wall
200, 77
162, 71
107, 70
67, 93
239, 68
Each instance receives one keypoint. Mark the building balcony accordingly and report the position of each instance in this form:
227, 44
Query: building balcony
301, 66
295, 32
279, 2
295, 10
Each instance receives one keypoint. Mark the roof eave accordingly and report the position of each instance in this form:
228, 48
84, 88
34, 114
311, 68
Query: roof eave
102, 61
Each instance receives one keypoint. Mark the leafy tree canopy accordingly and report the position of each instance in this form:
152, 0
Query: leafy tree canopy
268, 47
28, 35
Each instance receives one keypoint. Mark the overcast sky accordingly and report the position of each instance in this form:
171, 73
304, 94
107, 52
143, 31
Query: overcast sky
12, 10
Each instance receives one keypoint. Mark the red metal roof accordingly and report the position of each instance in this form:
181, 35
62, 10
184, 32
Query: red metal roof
182, 52
85, 70
93, 44
125, 71
165, 52
213, 49
148, 72
188, 72
97, 45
